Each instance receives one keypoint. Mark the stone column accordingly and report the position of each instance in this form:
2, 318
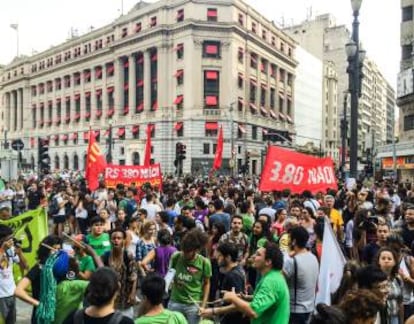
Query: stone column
132, 85
147, 80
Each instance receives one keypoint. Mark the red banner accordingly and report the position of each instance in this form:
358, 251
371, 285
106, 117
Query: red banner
297, 172
128, 174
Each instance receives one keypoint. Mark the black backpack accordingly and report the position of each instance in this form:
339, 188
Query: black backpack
79, 317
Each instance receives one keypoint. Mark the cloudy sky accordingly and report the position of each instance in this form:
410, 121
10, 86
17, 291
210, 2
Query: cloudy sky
43, 23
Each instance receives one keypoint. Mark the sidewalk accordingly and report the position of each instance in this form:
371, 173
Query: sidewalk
24, 312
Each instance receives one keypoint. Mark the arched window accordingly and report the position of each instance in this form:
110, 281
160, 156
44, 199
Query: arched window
75, 162
135, 158
57, 162
66, 162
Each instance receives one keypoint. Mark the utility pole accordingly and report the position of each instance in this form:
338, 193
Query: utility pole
344, 133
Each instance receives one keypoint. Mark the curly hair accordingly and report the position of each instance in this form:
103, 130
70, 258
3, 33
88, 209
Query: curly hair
361, 304
193, 240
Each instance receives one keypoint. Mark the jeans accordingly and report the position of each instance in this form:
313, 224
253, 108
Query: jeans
8, 310
190, 311
299, 318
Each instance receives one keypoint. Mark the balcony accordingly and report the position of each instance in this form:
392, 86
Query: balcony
212, 113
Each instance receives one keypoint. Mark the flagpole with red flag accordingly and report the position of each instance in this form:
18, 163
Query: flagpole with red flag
95, 163
147, 157
218, 158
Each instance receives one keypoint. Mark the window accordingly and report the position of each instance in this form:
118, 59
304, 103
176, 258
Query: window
273, 70
240, 104
407, 13
180, 129
180, 15
253, 60
211, 14
272, 97
263, 65
206, 148
77, 79
110, 69
153, 21
179, 75
282, 47
408, 122
138, 27
254, 132
211, 88
180, 51
241, 19
273, 41
34, 91
58, 84
240, 80
179, 100
87, 76
282, 75
253, 91
124, 32
254, 28
264, 34
406, 51
263, 95
98, 73
240, 55
211, 49
135, 131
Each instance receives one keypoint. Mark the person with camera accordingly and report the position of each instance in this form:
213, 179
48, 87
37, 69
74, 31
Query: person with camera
9, 253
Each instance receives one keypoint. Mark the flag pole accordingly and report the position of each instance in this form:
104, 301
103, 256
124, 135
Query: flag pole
16, 28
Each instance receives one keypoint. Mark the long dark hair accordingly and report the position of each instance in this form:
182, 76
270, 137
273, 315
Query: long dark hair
43, 252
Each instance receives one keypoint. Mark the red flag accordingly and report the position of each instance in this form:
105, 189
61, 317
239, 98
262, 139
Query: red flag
147, 158
95, 163
218, 158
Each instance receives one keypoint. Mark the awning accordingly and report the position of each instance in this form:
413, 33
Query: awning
98, 92
126, 64
179, 47
140, 83
212, 49
212, 13
211, 100
86, 74
126, 86
74, 136
263, 110
110, 68
178, 100
265, 131
211, 126
64, 137
140, 107
135, 129
211, 75
155, 105
140, 59
86, 135
77, 96
98, 71
106, 132
178, 126
77, 116
110, 89
88, 114
253, 82
126, 110
58, 100
242, 128
154, 57
34, 106
55, 137
179, 73
77, 77
67, 99
241, 76
281, 116
121, 131
87, 94
253, 106
289, 119
263, 86
138, 27
98, 113
273, 114
241, 101
110, 112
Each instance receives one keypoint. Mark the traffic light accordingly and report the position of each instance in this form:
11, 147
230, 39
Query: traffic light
43, 155
247, 163
180, 151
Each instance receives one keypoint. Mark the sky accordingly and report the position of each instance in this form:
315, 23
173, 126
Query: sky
44, 23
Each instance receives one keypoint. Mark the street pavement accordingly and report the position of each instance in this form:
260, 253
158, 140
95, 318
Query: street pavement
24, 312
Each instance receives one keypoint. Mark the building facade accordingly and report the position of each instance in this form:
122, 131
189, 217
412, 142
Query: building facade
326, 40
402, 155
179, 68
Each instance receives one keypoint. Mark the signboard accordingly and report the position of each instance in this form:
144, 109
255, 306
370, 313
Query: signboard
285, 169
405, 84
401, 162
17, 145
128, 174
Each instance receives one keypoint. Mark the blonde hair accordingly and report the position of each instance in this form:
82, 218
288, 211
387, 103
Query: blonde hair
146, 226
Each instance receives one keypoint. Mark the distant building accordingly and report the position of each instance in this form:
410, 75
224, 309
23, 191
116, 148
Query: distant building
184, 67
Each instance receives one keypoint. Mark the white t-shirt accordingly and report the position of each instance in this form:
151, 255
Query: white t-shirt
152, 210
59, 200
7, 284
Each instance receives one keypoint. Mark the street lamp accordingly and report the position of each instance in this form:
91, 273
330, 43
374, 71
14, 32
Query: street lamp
355, 59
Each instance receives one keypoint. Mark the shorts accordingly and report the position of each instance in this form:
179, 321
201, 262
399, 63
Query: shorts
59, 219
8, 310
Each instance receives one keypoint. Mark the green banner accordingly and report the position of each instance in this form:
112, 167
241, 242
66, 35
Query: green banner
30, 228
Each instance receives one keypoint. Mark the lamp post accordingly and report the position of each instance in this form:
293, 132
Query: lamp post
355, 58
344, 135
232, 150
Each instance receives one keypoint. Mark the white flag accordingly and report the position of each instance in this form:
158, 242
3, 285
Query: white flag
332, 266
14, 26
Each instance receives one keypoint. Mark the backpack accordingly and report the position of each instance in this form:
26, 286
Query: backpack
53, 207
79, 317
131, 207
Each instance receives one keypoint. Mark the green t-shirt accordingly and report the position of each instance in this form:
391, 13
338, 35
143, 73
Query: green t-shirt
248, 221
189, 278
86, 264
166, 316
100, 244
69, 297
271, 299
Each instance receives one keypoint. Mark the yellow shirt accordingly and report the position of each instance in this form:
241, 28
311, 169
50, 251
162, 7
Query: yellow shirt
336, 219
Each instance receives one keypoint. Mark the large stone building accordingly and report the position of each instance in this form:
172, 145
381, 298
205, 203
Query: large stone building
183, 67
403, 159
326, 40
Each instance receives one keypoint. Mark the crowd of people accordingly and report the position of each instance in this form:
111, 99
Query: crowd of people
208, 250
